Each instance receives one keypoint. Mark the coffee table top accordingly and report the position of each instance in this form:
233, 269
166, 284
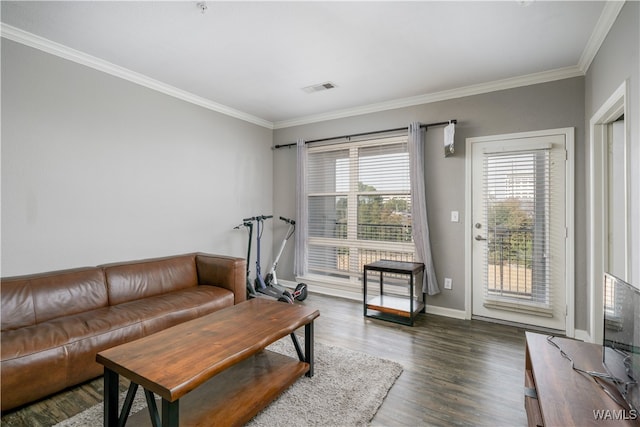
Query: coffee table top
176, 360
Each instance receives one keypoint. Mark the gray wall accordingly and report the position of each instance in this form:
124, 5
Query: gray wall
552, 105
97, 169
618, 60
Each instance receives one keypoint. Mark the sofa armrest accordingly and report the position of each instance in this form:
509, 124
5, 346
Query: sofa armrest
225, 272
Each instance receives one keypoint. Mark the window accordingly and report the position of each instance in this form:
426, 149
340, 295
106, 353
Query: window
359, 205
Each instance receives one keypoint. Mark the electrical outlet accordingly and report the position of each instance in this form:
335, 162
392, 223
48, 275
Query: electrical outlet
448, 283
455, 216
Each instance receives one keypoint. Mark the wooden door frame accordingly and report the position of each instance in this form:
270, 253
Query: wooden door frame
597, 241
569, 134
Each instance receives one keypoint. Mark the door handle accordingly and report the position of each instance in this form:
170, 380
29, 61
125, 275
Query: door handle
479, 237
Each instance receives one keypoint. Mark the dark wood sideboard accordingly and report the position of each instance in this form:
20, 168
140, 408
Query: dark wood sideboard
557, 395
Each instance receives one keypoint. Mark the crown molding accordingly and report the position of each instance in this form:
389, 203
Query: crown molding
509, 83
603, 26
605, 22
23, 37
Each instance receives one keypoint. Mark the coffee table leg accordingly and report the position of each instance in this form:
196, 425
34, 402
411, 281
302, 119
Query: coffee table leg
170, 413
153, 409
111, 380
308, 347
128, 401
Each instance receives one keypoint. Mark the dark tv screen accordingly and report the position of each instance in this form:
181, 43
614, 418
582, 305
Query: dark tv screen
621, 345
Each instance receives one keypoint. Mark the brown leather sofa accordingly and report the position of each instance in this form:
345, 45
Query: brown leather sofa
54, 323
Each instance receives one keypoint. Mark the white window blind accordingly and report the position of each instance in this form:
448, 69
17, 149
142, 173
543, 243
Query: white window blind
359, 207
519, 242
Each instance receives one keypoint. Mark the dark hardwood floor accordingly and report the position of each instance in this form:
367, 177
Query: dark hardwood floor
456, 372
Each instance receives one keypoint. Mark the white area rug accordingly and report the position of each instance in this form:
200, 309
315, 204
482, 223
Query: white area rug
346, 390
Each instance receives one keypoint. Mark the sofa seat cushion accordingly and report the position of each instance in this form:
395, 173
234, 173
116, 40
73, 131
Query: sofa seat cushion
71, 343
162, 311
64, 330
41, 359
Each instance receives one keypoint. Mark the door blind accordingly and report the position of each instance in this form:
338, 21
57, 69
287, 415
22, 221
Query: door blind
517, 211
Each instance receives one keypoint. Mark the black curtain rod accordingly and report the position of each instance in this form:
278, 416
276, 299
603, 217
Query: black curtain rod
427, 125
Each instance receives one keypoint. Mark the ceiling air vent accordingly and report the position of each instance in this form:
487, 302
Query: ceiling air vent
319, 87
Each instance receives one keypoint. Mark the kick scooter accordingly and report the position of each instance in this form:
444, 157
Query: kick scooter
300, 293
258, 288
246, 223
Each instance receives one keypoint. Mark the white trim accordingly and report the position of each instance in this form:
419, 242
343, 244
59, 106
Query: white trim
603, 26
569, 134
446, 312
612, 108
314, 287
530, 147
509, 83
62, 51
357, 296
20, 36
582, 335
288, 283
532, 134
570, 216
468, 231
323, 290
333, 287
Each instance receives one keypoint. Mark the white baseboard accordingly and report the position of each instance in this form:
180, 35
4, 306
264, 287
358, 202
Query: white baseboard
446, 312
582, 335
430, 309
288, 283
334, 292
357, 296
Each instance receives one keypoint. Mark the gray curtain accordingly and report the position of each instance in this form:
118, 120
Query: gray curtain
420, 225
300, 260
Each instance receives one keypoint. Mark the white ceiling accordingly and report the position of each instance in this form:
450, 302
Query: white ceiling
252, 59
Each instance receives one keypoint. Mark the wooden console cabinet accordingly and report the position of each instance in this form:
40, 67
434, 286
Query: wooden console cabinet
557, 395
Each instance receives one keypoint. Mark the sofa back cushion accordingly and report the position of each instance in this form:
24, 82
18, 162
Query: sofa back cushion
130, 281
16, 304
28, 300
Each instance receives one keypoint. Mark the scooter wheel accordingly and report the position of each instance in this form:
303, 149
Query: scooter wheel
302, 289
286, 299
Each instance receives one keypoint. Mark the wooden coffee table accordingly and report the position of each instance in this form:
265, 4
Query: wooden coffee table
212, 370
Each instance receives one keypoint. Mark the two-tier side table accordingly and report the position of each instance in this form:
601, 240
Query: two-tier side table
395, 305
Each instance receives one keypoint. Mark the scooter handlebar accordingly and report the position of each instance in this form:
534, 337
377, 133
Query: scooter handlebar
244, 223
288, 221
257, 218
